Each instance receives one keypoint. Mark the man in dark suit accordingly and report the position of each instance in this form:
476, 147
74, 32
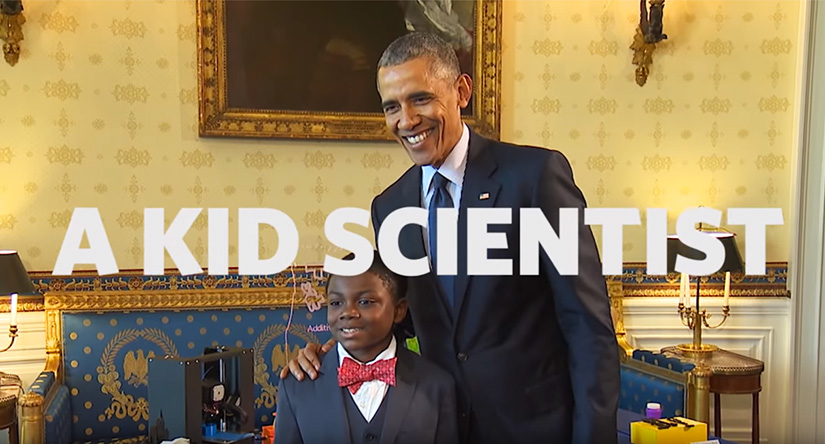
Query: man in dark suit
369, 389
534, 356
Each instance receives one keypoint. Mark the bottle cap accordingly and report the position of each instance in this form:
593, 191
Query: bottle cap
654, 405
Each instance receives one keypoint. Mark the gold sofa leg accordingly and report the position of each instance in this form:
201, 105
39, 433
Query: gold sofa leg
32, 423
699, 396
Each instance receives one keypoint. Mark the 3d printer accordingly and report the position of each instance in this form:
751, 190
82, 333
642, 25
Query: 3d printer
207, 398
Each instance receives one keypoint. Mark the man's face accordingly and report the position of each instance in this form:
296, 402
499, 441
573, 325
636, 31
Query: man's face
423, 109
361, 314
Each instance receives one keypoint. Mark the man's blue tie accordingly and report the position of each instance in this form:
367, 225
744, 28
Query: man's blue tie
441, 199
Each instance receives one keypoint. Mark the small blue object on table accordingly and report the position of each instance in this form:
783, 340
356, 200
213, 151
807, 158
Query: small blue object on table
625, 417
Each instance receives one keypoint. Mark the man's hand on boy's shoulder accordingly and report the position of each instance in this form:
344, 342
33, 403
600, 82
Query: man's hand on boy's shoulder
308, 361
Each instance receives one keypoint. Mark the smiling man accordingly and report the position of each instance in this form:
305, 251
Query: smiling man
535, 357
419, 98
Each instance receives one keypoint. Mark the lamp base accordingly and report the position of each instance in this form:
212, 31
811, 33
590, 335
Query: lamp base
697, 350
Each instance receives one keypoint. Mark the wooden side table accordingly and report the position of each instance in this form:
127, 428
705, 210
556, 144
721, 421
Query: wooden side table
8, 417
734, 374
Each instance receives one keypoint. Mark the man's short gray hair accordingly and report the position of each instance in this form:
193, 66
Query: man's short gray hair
421, 44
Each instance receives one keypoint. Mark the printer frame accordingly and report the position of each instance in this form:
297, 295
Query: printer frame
176, 392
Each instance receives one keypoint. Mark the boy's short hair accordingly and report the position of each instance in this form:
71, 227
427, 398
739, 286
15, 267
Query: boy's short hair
395, 284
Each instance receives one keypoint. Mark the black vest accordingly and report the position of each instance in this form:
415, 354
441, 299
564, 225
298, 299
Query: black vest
360, 430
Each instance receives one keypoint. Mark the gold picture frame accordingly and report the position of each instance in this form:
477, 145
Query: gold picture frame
239, 78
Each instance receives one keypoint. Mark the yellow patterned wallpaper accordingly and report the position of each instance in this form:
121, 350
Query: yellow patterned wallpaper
713, 126
101, 112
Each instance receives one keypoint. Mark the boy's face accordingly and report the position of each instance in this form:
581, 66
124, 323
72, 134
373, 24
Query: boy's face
361, 314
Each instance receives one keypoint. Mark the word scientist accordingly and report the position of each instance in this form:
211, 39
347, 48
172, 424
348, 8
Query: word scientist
535, 232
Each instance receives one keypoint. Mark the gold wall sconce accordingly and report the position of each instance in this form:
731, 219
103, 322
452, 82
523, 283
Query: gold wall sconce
648, 34
11, 29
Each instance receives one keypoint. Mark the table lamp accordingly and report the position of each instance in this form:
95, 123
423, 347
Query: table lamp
694, 317
14, 280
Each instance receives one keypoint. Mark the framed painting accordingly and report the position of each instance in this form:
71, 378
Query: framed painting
306, 69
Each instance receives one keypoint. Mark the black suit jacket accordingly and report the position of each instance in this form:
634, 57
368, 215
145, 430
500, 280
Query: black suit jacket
535, 357
421, 409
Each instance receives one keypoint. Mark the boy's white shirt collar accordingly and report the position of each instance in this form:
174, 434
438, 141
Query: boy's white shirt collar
388, 353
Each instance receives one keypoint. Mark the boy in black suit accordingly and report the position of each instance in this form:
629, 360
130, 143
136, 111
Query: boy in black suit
370, 388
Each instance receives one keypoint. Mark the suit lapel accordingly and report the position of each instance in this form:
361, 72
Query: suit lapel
337, 427
479, 191
402, 396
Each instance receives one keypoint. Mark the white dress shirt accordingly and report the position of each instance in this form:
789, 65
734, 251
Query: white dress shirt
453, 170
369, 396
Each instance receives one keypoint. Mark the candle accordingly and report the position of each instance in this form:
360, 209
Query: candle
683, 289
14, 309
727, 288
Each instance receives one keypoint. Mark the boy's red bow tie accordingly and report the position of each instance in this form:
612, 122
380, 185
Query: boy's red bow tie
352, 374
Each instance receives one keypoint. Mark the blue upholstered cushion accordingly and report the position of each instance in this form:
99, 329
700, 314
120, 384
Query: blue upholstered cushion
639, 388
58, 415
662, 361
106, 358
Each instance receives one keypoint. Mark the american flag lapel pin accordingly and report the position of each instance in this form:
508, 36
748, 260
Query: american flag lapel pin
483, 196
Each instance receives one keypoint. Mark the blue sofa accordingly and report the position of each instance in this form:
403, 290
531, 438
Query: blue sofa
653, 377
94, 386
